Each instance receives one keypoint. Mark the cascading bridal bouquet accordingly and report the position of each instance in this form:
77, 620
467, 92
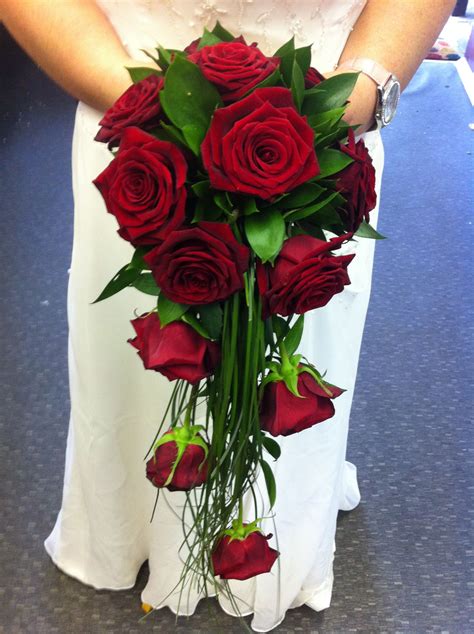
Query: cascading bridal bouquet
236, 181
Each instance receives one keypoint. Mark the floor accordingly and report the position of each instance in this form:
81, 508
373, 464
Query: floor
404, 557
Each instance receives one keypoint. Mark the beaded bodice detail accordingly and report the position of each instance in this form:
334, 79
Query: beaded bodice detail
326, 24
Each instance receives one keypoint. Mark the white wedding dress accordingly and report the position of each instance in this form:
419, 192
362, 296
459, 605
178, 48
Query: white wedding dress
103, 532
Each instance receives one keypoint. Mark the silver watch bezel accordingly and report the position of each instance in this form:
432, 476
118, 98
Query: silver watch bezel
383, 116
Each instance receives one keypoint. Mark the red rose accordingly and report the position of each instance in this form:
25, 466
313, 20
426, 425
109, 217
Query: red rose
177, 350
138, 106
191, 470
305, 276
282, 413
200, 265
357, 184
312, 78
143, 187
233, 67
193, 47
243, 558
260, 145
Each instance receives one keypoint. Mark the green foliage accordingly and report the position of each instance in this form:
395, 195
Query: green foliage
293, 338
121, 280
189, 100
211, 318
330, 94
169, 311
209, 39
301, 196
145, 283
265, 232
272, 447
222, 33
367, 231
138, 73
332, 161
269, 481
305, 212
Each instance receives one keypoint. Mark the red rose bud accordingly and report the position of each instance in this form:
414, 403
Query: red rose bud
200, 265
357, 184
178, 464
138, 106
144, 187
305, 276
312, 78
260, 145
234, 67
177, 350
282, 413
243, 558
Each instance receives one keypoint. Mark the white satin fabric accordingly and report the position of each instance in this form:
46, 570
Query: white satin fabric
103, 532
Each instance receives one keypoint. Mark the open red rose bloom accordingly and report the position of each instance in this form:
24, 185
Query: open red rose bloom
241, 191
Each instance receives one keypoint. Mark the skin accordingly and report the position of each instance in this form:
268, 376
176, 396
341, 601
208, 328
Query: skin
75, 44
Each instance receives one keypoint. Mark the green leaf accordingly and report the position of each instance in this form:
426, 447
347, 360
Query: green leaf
265, 232
271, 446
327, 216
293, 338
301, 196
223, 201
249, 206
146, 284
187, 97
138, 73
297, 84
222, 33
303, 57
194, 322
211, 318
329, 94
288, 47
287, 57
137, 261
201, 188
322, 142
313, 230
324, 122
271, 80
280, 326
165, 56
269, 481
173, 134
121, 280
206, 209
169, 311
194, 136
331, 162
367, 231
305, 212
152, 57
208, 39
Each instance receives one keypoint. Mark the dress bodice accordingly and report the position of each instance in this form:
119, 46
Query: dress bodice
325, 24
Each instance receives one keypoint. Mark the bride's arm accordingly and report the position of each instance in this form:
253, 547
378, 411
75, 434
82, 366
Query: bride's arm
74, 43
397, 35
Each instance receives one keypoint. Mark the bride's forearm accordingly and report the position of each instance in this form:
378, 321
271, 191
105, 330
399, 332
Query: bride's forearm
397, 35
74, 43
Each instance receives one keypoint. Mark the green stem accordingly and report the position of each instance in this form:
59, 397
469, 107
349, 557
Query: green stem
191, 406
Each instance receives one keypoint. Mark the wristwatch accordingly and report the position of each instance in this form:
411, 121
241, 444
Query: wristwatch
388, 88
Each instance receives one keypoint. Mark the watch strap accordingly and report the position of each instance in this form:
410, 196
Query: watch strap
369, 67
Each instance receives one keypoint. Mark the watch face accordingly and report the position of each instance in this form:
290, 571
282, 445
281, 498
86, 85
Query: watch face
390, 102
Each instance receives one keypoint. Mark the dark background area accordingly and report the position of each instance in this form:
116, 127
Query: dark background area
404, 555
